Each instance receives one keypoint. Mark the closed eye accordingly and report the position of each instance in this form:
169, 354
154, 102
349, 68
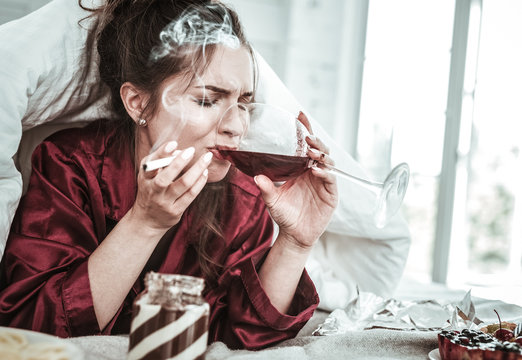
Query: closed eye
206, 102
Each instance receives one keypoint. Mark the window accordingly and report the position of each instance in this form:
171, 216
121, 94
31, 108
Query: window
404, 94
490, 223
441, 90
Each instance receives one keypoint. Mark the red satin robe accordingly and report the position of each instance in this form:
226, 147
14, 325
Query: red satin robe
81, 186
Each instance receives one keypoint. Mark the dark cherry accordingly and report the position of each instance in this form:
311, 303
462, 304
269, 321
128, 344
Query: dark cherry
503, 334
463, 340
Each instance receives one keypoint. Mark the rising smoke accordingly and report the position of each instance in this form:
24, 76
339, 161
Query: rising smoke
191, 30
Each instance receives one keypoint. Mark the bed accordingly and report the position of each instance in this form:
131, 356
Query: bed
361, 344
49, 81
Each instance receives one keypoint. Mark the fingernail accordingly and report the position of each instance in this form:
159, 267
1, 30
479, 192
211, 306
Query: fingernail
318, 169
188, 153
205, 173
207, 157
255, 180
311, 137
315, 151
171, 145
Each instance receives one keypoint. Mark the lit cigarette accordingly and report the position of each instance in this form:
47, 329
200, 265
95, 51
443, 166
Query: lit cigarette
160, 163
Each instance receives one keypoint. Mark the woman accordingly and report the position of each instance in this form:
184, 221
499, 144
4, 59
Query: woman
93, 221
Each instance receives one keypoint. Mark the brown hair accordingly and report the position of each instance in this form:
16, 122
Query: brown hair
128, 32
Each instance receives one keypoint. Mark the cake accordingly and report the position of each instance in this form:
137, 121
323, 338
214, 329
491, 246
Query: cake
501, 341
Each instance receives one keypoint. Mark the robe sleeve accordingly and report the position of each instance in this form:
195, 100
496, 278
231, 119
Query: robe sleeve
242, 315
44, 283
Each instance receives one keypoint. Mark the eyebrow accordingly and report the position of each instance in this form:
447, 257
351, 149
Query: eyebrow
222, 91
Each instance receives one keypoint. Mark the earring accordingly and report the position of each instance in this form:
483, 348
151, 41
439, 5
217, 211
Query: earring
142, 122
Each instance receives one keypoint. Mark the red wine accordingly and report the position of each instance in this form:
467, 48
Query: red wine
276, 167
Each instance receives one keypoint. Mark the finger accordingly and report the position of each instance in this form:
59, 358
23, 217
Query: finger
269, 191
324, 174
188, 197
304, 120
163, 151
185, 182
328, 179
165, 176
320, 156
316, 143
167, 151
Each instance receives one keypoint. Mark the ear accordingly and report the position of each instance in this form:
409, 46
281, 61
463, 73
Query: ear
133, 99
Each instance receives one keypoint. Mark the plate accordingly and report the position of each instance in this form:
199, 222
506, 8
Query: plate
434, 354
34, 337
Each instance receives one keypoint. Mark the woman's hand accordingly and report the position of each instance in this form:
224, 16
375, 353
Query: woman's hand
302, 207
164, 194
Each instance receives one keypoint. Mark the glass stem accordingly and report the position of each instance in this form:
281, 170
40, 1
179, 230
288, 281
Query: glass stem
375, 187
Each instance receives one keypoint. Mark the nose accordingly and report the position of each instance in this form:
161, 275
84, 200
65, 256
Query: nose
234, 123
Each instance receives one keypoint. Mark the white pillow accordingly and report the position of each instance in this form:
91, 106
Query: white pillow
49, 75
46, 76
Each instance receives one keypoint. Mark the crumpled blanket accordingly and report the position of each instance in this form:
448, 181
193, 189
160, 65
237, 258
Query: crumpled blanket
367, 344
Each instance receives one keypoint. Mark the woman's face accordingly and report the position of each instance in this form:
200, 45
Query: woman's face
192, 115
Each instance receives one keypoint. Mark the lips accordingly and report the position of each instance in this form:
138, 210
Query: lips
216, 152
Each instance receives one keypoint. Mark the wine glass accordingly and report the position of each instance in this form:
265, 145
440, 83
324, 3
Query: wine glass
272, 143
